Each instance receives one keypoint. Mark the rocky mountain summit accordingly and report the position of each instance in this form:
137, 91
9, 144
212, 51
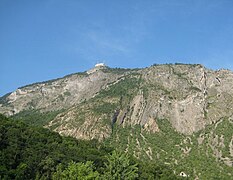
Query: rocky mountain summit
189, 96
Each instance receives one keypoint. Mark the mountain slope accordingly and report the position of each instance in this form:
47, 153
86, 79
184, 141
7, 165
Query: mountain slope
178, 114
206, 154
189, 96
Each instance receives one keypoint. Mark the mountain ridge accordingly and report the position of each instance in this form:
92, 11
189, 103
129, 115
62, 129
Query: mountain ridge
176, 114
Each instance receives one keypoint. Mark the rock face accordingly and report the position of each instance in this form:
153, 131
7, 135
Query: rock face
189, 96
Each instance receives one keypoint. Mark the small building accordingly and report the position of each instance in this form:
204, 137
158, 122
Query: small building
97, 67
100, 65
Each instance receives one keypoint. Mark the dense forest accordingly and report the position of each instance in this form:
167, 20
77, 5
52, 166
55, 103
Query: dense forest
29, 152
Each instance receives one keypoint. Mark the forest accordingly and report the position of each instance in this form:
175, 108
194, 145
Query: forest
30, 152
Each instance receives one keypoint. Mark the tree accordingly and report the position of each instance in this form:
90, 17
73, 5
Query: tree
75, 171
149, 171
119, 167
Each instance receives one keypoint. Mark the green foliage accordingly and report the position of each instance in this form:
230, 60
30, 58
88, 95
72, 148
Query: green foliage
117, 70
151, 171
27, 152
125, 87
3, 99
193, 88
104, 108
119, 167
114, 97
168, 146
75, 171
35, 117
67, 93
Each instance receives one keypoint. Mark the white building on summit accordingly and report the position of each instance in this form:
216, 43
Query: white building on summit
97, 67
100, 65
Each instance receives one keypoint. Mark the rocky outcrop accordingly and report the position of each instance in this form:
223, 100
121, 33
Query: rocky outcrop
189, 96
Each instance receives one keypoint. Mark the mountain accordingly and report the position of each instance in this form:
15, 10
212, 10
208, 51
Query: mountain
178, 114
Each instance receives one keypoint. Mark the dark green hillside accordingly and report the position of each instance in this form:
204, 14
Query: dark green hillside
28, 152
35, 117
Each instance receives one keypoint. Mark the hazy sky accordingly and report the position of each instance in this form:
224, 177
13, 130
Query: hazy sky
45, 39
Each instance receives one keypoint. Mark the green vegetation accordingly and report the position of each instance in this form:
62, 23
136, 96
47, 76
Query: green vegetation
31, 152
179, 153
49, 82
104, 108
28, 152
118, 70
193, 88
35, 117
67, 93
118, 166
112, 98
76, 171
185, 64
125, 87
3, 99
60, 97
